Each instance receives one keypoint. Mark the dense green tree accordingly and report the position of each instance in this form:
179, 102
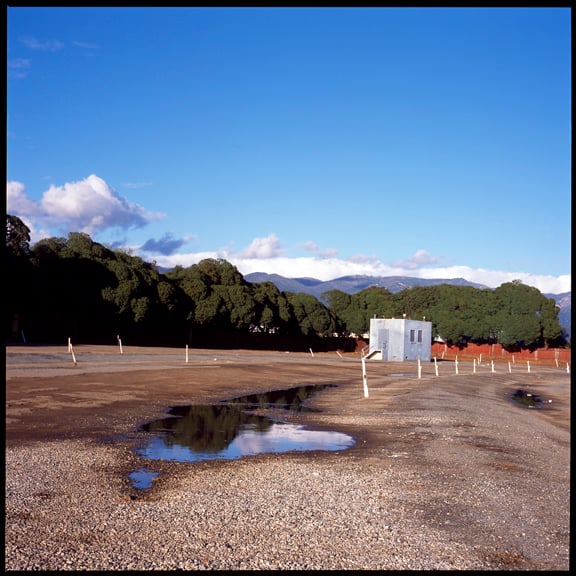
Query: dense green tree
340, 304
17, 237
19, 285
238, 310
272, 310
219, 297
416, 302
524, 317
219, 272
551, 331
355, 312
311, 316
376, 302
76, 287
458, 313
209, 311
69, 303
48, 249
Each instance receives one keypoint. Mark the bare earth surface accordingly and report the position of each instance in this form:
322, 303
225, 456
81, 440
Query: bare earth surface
446, 471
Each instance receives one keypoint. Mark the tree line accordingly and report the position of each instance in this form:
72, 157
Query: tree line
75, 287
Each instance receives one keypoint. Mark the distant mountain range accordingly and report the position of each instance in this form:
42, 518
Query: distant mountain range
353, 284
350, 284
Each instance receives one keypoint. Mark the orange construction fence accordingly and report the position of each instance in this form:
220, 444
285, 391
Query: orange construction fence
495, 352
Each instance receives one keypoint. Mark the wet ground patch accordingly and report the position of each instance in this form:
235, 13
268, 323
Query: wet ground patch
527, 399
242, 426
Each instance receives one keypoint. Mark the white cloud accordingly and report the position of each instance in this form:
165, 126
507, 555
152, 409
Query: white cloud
315, 249
268, 247
18, 204
330, 268
92, 206
420, 258
46, 46
89, 206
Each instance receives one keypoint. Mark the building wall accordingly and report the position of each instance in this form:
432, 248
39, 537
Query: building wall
397, 339
400, 339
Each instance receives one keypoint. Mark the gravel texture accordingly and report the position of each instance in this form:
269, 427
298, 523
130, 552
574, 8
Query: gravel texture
445, 475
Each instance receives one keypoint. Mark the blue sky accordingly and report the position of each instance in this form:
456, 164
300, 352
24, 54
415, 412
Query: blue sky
319, 142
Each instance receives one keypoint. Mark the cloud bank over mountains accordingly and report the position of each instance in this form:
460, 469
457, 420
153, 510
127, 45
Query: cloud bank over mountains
330, 268
93, 207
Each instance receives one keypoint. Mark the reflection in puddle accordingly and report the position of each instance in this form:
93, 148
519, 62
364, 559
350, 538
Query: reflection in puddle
292, 399
142, 478
231, 430
527, 399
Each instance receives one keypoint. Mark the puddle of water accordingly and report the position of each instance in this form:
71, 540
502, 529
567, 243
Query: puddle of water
231, 430
293, 399
527, 399
142, 478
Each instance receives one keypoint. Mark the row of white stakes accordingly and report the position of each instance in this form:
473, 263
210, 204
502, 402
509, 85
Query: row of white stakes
475, 364
365, 378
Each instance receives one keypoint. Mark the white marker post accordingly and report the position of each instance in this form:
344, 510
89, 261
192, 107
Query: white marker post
311, 352
364, 377
120, 344
456, 365
567, 367
474, 365
435, 366
419, 369
492, 363
528, 365
509, 367
73, 357
186, 353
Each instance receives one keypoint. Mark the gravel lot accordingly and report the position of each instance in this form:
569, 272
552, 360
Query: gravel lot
446, 473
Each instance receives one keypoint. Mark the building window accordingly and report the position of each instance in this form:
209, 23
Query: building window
419, 335
412, 335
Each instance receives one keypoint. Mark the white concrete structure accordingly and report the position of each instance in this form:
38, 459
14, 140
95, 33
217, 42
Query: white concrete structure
400, 339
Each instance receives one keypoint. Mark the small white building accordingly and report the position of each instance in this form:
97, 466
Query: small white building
400, 339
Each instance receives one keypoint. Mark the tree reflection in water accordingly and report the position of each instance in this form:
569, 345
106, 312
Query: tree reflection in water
231, 429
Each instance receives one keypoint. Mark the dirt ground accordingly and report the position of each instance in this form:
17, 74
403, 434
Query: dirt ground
98, 393
444, 430
52, 392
